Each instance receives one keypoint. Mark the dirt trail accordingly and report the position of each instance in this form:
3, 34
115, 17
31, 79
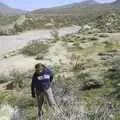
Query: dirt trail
18, 62
57, 55
10, 43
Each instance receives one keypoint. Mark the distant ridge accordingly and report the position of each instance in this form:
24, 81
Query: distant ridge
84, 8
73, 5
81, 4
117, 3
6, 10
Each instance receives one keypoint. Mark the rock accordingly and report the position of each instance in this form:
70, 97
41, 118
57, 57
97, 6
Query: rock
10, 86
103, 58
105, 54
92, 84
13, 53
114, 69
6, 56
101, 54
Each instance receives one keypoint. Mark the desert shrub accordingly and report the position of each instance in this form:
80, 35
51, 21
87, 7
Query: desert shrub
108, 23
55, 34
2, 33
7, 97
103, 35
93, 38
108, 45
34, 48
76, 45
18, 28
17, 78
113, 74
117, 117
83, 38
82, 76
30, 114
76, 110
10, 31
9, 112
24, 102
71, 40
78, 67
3, 78
7, 19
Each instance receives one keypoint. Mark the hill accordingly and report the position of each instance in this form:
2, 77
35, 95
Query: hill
87, 10
64, 7
77, 6
86, 76
117, 2
6, 10
79, 13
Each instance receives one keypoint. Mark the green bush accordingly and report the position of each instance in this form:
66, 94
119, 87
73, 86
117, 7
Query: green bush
113, 74
103, 35
55, 34
7, 97
109, 46
34, 48
93, 38
18, 28
2, 33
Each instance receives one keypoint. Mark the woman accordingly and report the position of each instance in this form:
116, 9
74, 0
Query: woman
41, 86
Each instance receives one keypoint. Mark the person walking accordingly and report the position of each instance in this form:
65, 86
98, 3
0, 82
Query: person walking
41, 87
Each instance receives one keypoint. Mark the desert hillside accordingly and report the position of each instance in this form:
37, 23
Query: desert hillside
82, 49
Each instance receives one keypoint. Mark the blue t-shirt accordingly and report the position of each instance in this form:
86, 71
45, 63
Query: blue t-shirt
42, 80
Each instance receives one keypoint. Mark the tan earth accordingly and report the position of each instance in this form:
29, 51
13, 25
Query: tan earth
13, 42
57, 53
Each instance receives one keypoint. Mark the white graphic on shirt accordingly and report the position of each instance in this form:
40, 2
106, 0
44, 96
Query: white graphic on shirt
46, 76
40, 77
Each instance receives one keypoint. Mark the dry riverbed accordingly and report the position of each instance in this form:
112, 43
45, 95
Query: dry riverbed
23, 63
10, 43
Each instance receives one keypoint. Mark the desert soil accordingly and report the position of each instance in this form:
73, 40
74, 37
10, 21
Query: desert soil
57, 53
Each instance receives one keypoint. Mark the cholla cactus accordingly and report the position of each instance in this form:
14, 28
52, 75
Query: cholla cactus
76, 110
9, 113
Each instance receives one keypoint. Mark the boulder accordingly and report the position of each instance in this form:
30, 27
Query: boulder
114, 69
6, 56
105, 54
10, 86
92, 84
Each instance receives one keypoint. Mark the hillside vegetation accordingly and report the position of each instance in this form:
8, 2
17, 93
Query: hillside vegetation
86, 65
103, 16
86, 82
